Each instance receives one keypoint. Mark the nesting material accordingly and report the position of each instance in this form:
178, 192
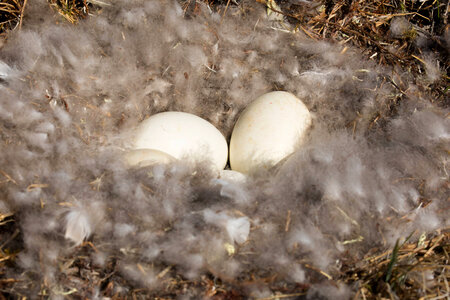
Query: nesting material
271, 128
182, 136
374, 170
233, 186
78, 227
237, 229
400, 27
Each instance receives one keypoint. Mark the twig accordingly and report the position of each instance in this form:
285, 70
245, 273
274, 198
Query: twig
288, 221
319, 271
12, 237
225, 11
282, 296
21, 13
36, 186
8, 177
436, 243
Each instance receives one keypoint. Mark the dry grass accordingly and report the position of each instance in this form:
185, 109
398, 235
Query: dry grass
11, 14
408, 271
366, 25
71, 10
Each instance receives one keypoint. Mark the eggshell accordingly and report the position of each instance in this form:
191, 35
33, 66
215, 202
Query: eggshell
183, 136
232, 176
147, 157
271, 128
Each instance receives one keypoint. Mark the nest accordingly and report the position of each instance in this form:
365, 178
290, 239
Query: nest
418, 270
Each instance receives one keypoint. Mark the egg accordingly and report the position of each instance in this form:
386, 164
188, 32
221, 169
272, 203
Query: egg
182, 136
270, 129
232, 176
147, 157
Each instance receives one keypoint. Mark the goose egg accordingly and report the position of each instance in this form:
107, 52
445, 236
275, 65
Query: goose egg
147, 157
271, 128
183, 136
232, 176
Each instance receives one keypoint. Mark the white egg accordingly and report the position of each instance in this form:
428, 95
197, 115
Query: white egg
183, 136
147, 157
232, 176
271, 128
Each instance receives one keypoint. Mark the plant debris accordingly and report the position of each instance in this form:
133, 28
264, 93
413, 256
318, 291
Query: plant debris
11, 14
408, 271
398, 34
